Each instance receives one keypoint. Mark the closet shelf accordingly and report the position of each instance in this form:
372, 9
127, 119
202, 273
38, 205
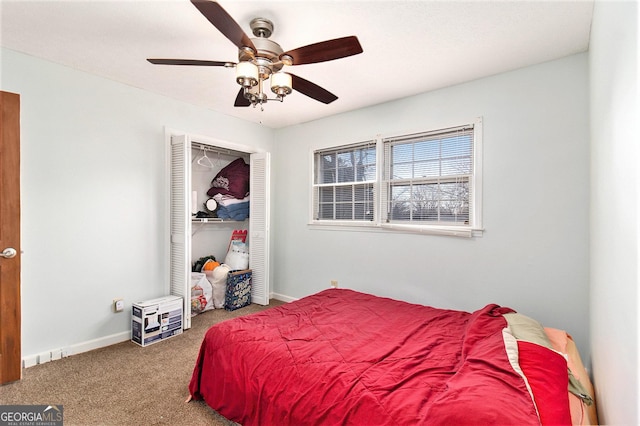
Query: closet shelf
212, 220
207, 219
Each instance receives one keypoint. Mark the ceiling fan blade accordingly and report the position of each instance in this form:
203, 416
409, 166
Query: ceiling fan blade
241, 101
312, 90
325, 51
190, 62
223, 22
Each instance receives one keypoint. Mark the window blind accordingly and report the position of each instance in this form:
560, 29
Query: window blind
344, 182
428, 177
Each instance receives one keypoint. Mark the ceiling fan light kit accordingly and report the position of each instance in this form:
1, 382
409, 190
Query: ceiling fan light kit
247, 74
263, 63
281, 84
261, 59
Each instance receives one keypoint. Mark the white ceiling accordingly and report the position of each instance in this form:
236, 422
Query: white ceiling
409, 47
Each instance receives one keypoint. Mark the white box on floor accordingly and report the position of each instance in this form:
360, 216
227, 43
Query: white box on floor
155, 320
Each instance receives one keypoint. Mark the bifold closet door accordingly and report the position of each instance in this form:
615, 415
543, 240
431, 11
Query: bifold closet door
259, 227
180, 223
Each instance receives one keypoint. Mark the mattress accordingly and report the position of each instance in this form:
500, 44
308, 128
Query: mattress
345, 357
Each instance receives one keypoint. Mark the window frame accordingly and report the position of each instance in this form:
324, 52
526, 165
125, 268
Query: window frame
380, 196
318, 186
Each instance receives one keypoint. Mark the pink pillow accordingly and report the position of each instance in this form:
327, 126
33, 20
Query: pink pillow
546, 373
232, 180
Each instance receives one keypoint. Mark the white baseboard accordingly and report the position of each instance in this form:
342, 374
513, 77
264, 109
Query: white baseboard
283, 298
55, 354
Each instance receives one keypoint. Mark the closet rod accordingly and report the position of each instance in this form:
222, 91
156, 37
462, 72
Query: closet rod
213, 149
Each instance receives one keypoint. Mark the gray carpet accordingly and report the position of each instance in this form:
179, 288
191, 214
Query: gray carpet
126, 384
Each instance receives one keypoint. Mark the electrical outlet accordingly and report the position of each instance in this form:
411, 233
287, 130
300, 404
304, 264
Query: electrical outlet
334, 283
118, 305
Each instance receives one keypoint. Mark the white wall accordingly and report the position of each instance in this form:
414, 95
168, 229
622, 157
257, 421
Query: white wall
534, 254
615, 216
94, 197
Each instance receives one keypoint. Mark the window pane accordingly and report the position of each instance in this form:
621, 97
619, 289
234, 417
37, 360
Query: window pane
326, 168
426, 150
456, 166
344, 193
455, 202
400, 210
344, 211
325, 211
363, 211
456, 192
428, 169
328, 176
363, 193
326, 194
367, 172
401, 193
425, 199
456, 146
402, 153
345, 174
402, 171
400, 203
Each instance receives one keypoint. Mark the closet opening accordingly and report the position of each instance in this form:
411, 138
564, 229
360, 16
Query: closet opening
219, 209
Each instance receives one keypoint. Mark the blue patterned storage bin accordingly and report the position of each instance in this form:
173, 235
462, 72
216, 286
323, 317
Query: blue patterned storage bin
238, 289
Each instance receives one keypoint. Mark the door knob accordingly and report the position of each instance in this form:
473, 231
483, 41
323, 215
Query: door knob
8, 253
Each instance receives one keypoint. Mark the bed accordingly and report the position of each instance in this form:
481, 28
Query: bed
345, 357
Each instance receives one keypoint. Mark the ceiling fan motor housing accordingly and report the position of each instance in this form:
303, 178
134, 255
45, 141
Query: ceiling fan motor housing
266, 58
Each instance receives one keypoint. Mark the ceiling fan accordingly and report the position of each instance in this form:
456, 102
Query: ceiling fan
260, 59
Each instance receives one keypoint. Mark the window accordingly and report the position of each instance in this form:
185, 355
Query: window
425, 182
344, 183
428, 177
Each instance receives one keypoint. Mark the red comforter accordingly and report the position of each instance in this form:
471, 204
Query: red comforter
343, 357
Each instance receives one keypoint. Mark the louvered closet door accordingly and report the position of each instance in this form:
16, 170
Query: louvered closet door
259, 228
180, 218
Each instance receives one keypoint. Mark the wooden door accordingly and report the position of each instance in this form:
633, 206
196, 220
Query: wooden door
10, 352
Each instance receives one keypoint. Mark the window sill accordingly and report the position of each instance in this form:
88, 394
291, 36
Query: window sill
452, 231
